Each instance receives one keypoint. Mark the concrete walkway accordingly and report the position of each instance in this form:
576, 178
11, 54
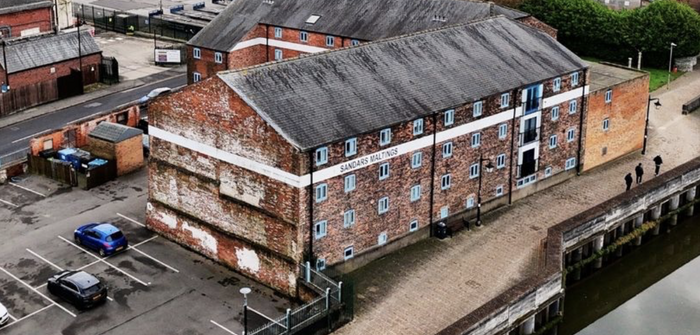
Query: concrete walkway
428, 286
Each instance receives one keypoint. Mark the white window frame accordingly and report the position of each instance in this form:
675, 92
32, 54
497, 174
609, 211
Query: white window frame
417, 127
505, 100
354, 42
382, 238
321, 192
444, 212
574, 79
555, 113
350, 183
553, 141
279, 55
383, 205
218, 58
556, 85
499, 190
417, 160
351, 147
196, 77
385, 137
478, 109
320, 264
330, 41
278, 32
197, 53
351, 249
415, 193
446, 181
548, 171
501, 161
321, 156
570, 135
606, 124
570, 163
449, 117
471, 202
384, 171
476, 140
320, 229
447, 150
413, 225
303, 36
502, 131
573, 105
472, 168
608, 96
349, 218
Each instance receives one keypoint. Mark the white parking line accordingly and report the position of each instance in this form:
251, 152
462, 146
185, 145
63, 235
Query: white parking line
8, 203
27, 316
130, 247
110, 298
45, 260
12, 317
130, 219
37, 292
154, 259
105, 262
222, 327
28, 189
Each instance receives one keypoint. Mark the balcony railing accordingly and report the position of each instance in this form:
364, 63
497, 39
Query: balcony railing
529, 135
532, 105
527, 168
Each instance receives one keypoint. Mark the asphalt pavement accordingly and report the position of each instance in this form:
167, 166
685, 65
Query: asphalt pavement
16, 136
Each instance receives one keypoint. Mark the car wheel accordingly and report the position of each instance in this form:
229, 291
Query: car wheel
77, 239
102, 252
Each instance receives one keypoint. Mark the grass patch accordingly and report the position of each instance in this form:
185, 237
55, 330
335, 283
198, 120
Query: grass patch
657, 77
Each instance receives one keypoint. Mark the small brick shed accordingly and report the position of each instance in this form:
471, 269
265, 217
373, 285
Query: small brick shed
117, 142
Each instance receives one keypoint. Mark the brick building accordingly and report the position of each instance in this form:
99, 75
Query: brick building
616, 114
117, 142
251, 32
334, 156
25, 17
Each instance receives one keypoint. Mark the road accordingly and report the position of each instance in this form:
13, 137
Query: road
17, 136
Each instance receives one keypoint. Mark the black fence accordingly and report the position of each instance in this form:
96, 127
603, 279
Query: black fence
123, 22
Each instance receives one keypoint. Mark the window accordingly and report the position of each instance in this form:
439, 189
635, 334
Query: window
321, 229
474, 171
416, 159
572, 106
499, 190
218, 57
278, 54
570, 134
570, 163
330, 41
278, 32
349, 218
606, 124
608, 96
478, 108
503, 131
303, 36
321, 156
548, 171
574, 79
505, 100
556, 86
413, 226
447, 150
446, 181
320, 264
196, 77
553, 141
382, 238
196, 53
321, 192
415, 193
476, 140
348, 253
354, 43
349, 183
555, 113
470, 202
48, 144
444, 212
501, 161
383, 205
418, 127
312, 19
385, 136
384, 171
351, 147
449, 117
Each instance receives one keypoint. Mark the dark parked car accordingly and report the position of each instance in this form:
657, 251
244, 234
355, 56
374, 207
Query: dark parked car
102, 237
79, 288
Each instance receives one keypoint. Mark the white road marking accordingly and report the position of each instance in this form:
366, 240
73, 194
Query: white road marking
265, 316
105, 262
37, 292
45, 260
222, 327
27, 316
30, 136
12, 317
154, 259
8, 203
130, 247
28, 189
110, 298
130, 219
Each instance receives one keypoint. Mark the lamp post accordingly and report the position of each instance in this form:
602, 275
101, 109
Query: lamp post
657, 104
670, 61
245, 291
489, 168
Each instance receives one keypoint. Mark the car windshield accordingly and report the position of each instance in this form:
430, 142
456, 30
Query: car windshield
114, 236
92, 289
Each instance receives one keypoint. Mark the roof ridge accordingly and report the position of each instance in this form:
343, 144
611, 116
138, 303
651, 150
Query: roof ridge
362, 45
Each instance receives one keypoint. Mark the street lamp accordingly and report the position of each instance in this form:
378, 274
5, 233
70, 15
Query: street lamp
657, 104
670, 61
489, 168
245, 291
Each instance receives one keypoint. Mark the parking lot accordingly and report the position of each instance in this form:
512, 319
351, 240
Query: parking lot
155, 286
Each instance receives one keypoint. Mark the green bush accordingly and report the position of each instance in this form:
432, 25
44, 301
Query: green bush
591, 29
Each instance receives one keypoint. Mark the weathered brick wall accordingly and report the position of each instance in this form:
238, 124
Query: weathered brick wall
206, 65
129, 155
28, 19
534, 22
101, 148
626, 113
44, 73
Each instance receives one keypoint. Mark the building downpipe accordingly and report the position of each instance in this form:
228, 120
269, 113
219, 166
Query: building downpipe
579, 164
512, 149
432, 175
311, 206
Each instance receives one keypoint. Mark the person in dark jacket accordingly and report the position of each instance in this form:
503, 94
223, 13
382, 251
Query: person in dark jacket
658, 161
628, 181
639, 171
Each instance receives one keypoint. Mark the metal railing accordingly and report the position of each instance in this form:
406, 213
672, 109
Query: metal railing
321, 282
19, 156
529, 135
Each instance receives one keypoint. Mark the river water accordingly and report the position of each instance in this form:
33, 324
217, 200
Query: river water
653, 290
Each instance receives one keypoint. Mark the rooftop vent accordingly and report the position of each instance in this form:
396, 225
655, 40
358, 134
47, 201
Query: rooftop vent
439, 18
268, 2
312, 19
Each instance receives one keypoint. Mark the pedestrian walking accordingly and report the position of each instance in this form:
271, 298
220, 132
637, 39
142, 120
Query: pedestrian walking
628, 181
639, 171
658, 161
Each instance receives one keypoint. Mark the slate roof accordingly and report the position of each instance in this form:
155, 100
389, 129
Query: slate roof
39, 50
604, 76
114, 132
366, 20
13, 6
330, 96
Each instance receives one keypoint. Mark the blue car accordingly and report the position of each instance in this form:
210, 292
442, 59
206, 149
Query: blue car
102, 237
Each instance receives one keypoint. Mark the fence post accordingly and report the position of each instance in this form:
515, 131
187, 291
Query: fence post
340, 291
328, 298
308, 271
289, 321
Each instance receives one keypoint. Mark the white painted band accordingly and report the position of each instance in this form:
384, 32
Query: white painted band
277, 43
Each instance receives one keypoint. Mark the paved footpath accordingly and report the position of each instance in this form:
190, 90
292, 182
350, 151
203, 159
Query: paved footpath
426, 287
